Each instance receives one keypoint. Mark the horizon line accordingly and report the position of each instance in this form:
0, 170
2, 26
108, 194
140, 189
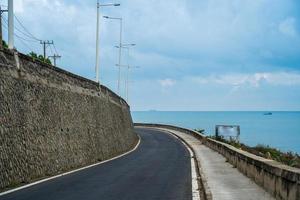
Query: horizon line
215, 110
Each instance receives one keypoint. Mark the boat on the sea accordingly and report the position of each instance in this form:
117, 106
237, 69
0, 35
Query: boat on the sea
268, 113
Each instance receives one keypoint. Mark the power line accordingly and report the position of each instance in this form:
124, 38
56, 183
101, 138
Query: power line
18, 36
55, 49
28, 40
28, 34
25, 29
25, 39
31, 38
26, 45
51, 49
25, 34
44, 43
1, 36
20, 39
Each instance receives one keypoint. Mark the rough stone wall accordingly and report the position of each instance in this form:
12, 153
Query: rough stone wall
52, 121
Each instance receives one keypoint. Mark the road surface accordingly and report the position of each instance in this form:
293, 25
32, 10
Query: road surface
158, 169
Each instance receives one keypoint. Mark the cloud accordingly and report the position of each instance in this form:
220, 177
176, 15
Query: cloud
252, 80
241, 44
288, 27
167, 82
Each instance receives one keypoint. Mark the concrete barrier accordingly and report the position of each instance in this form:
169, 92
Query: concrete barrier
281, 181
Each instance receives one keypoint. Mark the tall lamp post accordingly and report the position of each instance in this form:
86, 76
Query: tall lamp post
127, 46
127, 84
97, 36
127, 79
120, 49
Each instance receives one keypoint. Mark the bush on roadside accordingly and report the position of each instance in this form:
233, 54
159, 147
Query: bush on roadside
199, 130
288, 158
39, 57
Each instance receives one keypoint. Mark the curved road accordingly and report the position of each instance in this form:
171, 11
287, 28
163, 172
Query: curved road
158, 169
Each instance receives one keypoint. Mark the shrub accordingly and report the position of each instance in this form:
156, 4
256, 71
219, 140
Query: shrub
39, 57
288, 158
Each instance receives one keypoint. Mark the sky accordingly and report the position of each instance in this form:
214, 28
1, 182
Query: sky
194, 55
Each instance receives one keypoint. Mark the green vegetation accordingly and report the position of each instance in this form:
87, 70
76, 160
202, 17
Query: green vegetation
199, 130
288, 158
4, 44
39, 57
32, 55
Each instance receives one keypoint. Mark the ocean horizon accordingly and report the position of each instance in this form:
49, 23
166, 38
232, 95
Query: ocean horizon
278, 129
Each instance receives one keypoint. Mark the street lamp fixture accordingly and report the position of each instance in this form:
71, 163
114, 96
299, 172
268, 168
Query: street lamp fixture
107, 17
126, 46
109, 4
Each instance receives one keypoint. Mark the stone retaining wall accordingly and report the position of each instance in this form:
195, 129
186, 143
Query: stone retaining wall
52, 121
282, 181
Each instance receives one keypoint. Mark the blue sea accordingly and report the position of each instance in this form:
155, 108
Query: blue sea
280, 130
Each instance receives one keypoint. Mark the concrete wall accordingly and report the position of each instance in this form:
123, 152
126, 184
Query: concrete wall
282, 181
52, 121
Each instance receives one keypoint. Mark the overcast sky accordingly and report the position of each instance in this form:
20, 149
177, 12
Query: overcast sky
194, 54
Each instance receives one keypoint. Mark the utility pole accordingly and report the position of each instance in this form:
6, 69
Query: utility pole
54, 57
1, 38
10, 24
45, 43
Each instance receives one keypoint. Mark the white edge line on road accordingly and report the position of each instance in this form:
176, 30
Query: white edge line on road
195, 186
70, 172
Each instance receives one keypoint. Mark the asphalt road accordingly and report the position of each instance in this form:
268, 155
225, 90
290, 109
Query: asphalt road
158, 169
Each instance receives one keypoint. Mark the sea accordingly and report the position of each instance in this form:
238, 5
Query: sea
280, 130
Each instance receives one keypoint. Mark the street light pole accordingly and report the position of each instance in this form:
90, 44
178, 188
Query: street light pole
126, 46
127, 84
127, 79
97, 44
120, 55
97, 37
120, 49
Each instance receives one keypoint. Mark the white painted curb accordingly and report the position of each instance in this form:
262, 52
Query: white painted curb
70, 172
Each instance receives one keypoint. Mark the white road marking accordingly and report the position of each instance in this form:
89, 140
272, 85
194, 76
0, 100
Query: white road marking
70, 172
